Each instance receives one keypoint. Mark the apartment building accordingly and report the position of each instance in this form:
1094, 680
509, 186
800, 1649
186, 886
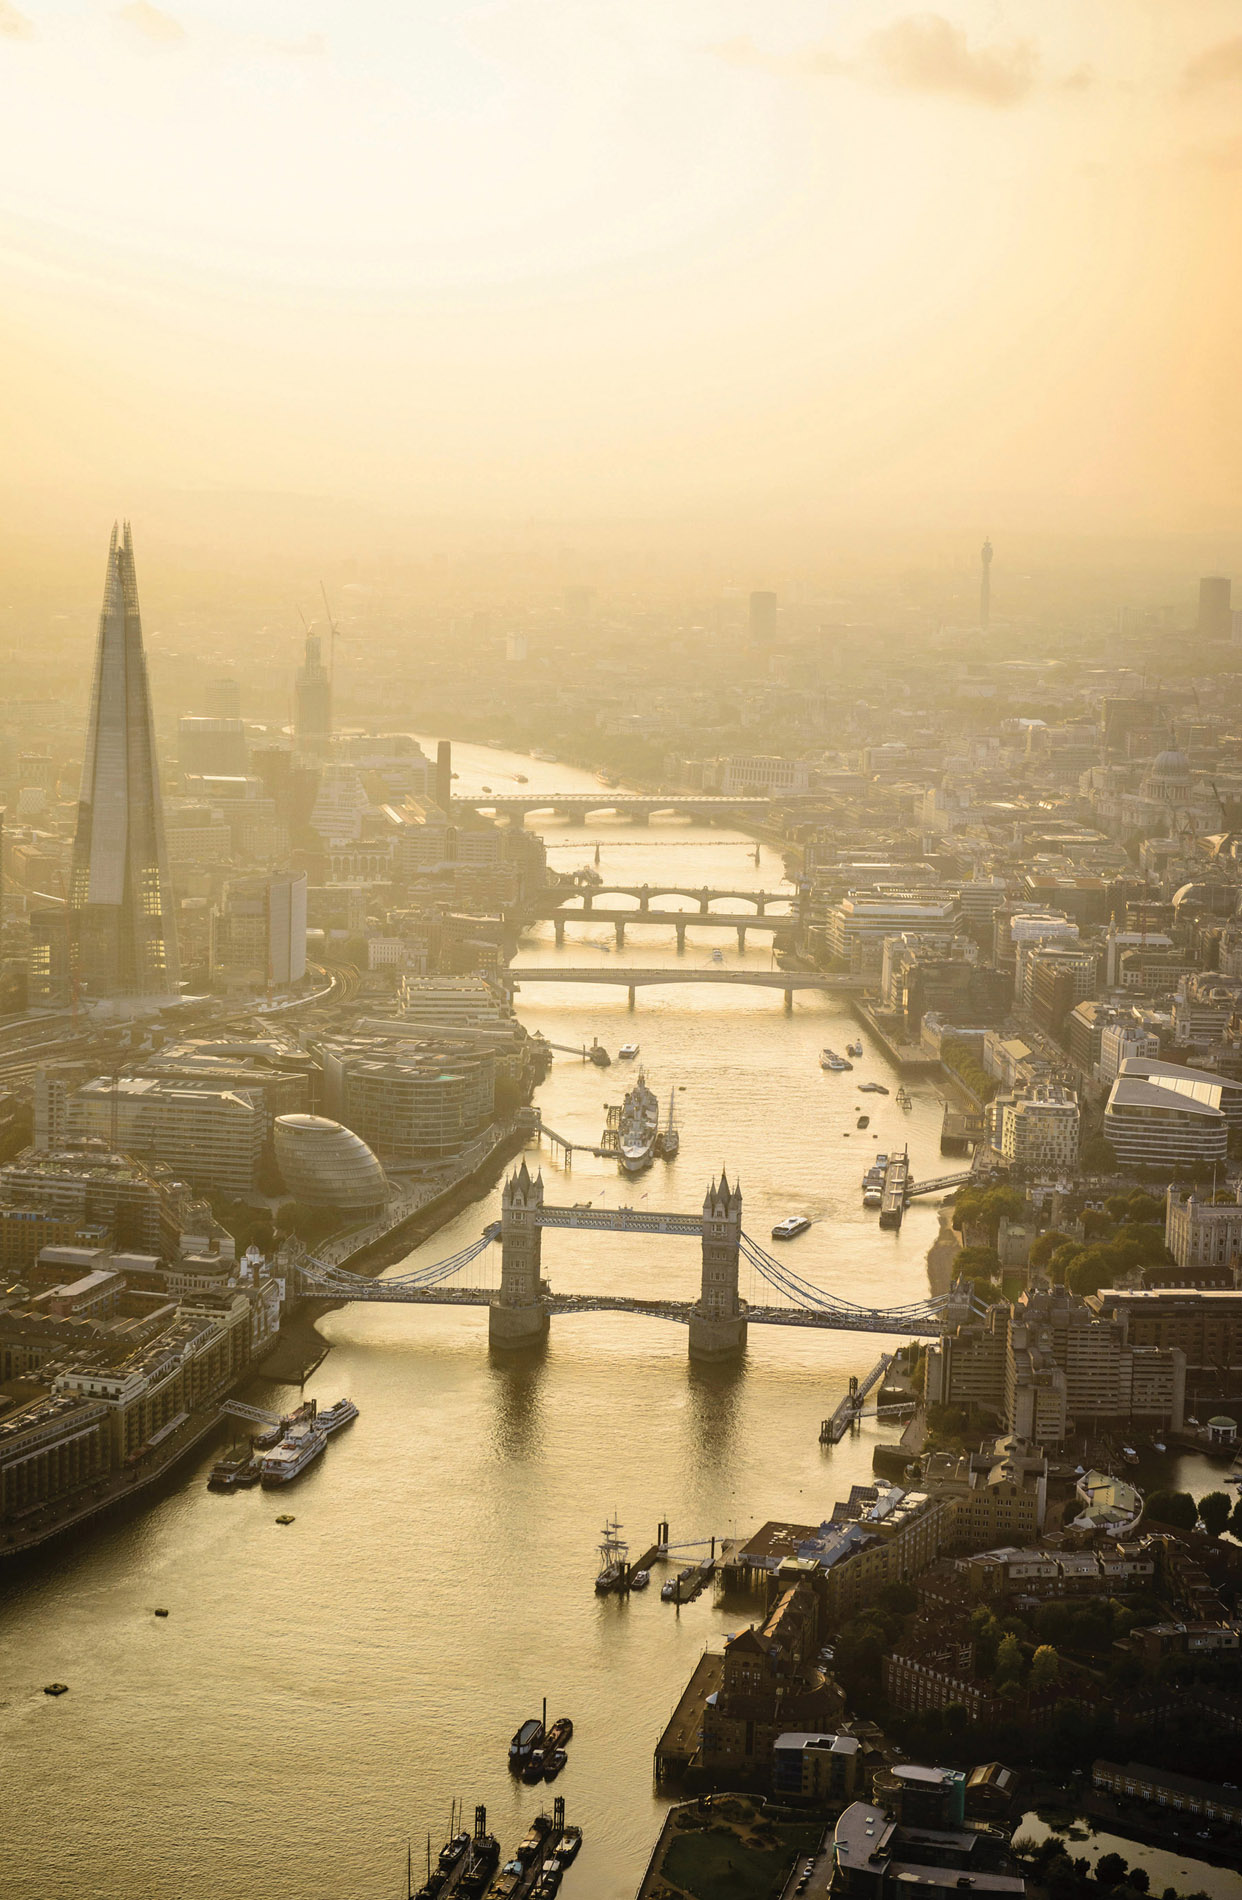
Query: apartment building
1038, 1129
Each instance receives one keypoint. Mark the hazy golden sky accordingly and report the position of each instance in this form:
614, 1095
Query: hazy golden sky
750, 259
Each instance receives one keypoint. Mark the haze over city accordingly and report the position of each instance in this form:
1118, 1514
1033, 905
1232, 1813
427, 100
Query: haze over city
621, 950
686, 271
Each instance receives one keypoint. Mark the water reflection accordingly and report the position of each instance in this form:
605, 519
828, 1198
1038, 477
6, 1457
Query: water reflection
517, 1388
715, 1394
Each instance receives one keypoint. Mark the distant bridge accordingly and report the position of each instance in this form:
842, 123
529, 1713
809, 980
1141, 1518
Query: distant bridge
561, 897
638, 807
634, 977
717, 1321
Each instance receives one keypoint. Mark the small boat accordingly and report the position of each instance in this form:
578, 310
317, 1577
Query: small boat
228, 1474
903, 1098
532, 1770
872, 1197
486, 788
873, 1088
56, 1688
864, 1121
1129, 1454
571, 1841
854, 1049
791, 1227
627, 1052
286, 1518
640, 1580
554, 1760
1157, 1445
344, 1412
520, 778
528, 1738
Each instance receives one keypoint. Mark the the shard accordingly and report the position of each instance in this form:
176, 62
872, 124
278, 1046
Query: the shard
122, 930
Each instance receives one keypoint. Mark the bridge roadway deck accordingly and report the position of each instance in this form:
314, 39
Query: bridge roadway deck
393, 1293
605, 800
558, 896
687, 919
636, 977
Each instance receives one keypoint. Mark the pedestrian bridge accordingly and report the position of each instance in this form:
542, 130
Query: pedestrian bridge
521, 1306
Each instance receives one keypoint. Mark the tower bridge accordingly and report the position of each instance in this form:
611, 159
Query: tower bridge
717, 1321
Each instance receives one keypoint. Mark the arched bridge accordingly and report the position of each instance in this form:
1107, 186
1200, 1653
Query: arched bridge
586, 896
637, 807
519, 1312
635, 976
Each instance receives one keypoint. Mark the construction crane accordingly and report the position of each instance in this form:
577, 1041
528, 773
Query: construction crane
333, 635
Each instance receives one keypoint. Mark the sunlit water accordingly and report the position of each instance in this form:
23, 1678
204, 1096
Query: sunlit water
321, 1692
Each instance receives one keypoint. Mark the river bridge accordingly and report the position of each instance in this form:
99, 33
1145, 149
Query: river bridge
519, 1310
559, 897
636, 807
634, 977
678, 920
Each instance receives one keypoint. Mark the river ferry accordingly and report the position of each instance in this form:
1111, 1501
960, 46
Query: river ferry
344, 1412
829, 1059
791, 1227
296, 1450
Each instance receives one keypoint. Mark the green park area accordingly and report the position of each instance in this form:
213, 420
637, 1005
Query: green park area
730, 1851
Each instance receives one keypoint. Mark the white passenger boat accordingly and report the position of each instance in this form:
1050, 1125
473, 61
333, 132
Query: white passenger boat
344, 1412
297, 1449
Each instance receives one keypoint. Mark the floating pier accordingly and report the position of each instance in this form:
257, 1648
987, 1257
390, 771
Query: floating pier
893, 1193
833, 1429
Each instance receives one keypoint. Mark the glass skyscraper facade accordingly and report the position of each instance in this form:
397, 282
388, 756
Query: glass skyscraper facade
123, 935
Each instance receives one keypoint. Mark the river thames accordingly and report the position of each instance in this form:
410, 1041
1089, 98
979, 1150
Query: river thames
321, 1692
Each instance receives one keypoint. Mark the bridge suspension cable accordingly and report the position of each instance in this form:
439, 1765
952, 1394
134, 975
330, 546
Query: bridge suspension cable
324, 1274
812, 1298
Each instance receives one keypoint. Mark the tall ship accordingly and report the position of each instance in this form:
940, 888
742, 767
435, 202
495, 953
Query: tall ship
613, 1551
668, 1140
638, 1128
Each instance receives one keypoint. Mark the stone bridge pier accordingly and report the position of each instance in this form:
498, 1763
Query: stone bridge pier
718, 1320
519, 1317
